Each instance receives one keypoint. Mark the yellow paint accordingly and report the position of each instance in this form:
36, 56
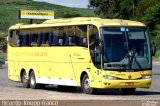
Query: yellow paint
64, 62
37, 12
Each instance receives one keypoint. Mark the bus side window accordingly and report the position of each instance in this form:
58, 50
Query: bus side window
81, 32
93, 45
60, 37
50, 38
76, 39
45, 38
30, 39
14, 38
60, 40
55, 39
20, 40
39, 42
11, 34
24, 39
70, 36
66, 38
34, 40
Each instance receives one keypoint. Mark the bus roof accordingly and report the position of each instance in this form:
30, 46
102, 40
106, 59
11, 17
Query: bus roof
95, 20
80, 21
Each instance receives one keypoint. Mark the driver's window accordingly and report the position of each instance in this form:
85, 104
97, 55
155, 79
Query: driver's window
93, 45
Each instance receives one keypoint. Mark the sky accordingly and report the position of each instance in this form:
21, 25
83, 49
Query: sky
69, 3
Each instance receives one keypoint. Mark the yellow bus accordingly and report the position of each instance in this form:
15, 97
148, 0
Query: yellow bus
87, 52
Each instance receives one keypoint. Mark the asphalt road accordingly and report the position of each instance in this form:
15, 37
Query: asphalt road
14, 91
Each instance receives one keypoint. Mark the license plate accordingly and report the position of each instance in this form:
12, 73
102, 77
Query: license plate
129, 83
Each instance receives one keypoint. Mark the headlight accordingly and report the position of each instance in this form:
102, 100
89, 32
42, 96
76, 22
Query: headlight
109, 77
146, 76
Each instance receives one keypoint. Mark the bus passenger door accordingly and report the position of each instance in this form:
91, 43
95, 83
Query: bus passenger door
95, 55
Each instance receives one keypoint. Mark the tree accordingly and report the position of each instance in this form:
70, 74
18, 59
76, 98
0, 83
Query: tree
124, 9
104, 8
152, 16
71, 14
3, 41
143, 5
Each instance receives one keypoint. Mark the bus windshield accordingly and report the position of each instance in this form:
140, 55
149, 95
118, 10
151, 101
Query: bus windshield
126, 48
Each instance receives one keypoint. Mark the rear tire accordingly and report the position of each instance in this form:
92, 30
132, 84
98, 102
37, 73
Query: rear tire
128, 91
86, 85
24, 80
32, 81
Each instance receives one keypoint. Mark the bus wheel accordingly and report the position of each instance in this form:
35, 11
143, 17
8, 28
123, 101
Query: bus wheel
85, 85
128, 91
32, 80
24, 80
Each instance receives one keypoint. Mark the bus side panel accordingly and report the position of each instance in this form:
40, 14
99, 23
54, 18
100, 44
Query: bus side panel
11, 65
17, 70
94, 77
63, 70
82, 63
44, 69
63, 67
56, 67
11, 71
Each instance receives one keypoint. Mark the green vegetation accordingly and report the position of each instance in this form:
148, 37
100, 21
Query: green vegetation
146, 11
9, 13
3, 55
157, 56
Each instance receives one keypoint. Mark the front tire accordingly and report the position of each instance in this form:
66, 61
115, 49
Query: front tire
128, 91
25, 80
86, 85
32, 81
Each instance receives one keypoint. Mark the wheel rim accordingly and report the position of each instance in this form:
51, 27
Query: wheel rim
32, 80
24, 79
86, 84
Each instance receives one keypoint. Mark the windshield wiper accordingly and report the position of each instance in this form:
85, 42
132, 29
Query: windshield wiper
131, 57
131, 53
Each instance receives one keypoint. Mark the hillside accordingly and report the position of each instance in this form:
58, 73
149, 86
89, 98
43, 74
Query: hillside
9, 14
9, 11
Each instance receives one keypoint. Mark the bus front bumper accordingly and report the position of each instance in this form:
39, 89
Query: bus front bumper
140, 83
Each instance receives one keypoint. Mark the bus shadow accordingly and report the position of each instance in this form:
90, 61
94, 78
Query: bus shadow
63, 89
55, 89
98, 92
105, 92
118, 92
147, 93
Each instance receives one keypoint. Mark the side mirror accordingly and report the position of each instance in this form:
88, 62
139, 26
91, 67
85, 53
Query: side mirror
153, 49
100, 47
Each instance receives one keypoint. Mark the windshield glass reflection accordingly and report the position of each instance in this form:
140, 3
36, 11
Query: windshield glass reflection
126, 48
